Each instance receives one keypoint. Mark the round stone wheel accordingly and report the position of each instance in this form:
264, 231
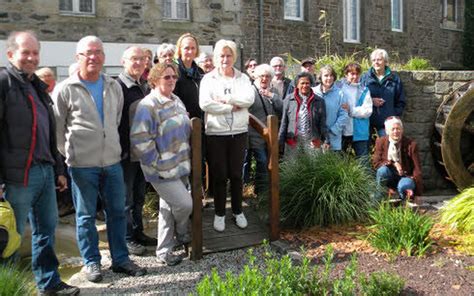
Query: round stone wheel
453, 138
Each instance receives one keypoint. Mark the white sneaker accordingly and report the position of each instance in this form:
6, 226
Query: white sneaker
219, 223
240, 220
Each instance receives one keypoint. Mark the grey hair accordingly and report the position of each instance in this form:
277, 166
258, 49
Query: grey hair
129, 49
381, 52
219, 48
391, 121
275, 59
11, 43
87, 40
203, 56
264, 69
303, 75
164, 48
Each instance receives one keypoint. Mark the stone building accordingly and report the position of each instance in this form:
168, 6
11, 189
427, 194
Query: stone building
262, 28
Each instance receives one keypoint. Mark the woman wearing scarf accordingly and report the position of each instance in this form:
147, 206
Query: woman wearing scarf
304, 117
397, 162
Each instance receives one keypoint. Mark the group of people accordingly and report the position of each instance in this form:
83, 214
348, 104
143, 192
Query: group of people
118, 134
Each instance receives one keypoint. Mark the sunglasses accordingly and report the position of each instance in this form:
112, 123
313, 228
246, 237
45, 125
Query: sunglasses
168, 77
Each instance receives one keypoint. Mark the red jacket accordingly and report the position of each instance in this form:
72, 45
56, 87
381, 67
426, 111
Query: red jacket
410, 159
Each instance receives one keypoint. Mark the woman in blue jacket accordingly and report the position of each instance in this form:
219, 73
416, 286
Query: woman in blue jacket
336, 116
386, 90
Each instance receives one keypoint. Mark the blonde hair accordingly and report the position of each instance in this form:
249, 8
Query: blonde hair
219, 48
157, 71
177, 54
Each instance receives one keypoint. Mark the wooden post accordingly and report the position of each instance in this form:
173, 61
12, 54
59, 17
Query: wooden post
270, 134
196, 189
273, 170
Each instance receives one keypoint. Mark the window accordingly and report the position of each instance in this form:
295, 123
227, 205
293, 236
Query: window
352, 21
176, 9
82, 7
294, 10
397, 15
450, 10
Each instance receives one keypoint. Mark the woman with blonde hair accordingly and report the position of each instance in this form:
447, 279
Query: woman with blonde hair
160, 140
225, 96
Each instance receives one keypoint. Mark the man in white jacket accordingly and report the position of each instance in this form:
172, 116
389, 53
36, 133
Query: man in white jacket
88, 108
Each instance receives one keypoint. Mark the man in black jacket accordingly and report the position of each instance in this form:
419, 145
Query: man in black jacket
30, 166
134, 89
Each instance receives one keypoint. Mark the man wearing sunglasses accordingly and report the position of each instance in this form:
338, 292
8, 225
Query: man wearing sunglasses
88, 109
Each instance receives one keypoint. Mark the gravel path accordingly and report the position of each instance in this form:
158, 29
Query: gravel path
162, 279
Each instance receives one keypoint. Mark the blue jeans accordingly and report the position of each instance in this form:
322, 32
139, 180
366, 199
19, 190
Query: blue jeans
387, 177
87, 184
37, 202
135, 186
261, 173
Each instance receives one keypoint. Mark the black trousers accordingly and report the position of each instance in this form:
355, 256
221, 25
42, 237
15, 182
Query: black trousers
225, 155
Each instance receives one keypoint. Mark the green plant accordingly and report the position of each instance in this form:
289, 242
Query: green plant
417, 63
381, 283
15, 281
279, 276
400, 229
459, 211
324, 188
152, 203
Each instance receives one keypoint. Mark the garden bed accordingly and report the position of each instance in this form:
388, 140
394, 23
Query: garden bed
443, 271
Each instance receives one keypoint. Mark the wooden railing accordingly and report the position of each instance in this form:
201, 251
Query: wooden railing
270, 133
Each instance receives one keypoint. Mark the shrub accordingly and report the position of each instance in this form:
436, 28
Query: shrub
417, 63
15, 281
381, 283
324, 188
279, 276
459, 211
400, 229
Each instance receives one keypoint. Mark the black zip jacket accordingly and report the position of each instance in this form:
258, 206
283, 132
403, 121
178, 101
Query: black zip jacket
18, 126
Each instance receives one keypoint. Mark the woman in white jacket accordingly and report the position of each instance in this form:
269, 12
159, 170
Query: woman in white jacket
225, 95
359, 107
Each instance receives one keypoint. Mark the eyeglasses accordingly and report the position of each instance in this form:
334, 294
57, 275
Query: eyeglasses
168, 77
277, 66
265, 76
89, 54
136, 59
252, 65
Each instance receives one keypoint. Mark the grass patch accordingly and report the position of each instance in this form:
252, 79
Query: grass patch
324, 188
458, 212
15, 281
397, 230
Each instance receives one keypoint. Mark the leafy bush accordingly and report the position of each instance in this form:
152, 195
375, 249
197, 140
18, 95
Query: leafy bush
15, 281
416, 63
324, 188
400, 229
279, 276
459, 211
381, 283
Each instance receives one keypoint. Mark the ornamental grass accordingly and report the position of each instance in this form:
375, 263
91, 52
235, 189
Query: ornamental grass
15, 281
324, 188
459, 211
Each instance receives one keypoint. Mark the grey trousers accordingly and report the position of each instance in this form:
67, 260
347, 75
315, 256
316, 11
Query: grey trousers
176, 206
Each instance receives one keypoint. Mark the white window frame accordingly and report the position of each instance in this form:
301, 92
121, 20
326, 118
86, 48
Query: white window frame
174, 11
75, 9
400, 14
295, 18
445, 12
348, 21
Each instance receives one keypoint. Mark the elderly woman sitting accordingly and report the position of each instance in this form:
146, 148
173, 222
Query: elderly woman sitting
396, 161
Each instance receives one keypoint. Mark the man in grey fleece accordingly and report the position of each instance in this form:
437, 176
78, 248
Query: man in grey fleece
88, 108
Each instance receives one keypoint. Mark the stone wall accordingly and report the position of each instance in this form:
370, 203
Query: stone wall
425, 91
423, 35
140, 21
